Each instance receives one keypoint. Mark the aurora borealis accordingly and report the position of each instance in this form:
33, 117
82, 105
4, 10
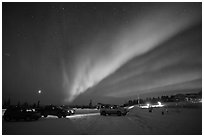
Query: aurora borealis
82, 51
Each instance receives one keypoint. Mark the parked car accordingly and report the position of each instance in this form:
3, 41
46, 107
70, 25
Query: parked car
54, 110
17, 113
113, 109
69, 109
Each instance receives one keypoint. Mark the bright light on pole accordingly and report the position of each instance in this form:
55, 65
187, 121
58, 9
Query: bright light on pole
39, 92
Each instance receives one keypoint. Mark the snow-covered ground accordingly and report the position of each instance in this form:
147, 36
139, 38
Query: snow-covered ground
138, 121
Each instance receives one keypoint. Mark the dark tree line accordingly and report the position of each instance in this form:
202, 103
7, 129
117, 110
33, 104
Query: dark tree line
7, 103
172, 98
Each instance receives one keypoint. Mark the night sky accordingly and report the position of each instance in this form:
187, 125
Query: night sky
107, 52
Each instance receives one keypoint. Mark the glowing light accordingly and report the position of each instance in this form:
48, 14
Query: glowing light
39, 91
153, 106
83, 115
28, 110
76, 115
95, 63
145, 106
130, 107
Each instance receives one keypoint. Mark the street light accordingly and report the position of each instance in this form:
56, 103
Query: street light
39, 92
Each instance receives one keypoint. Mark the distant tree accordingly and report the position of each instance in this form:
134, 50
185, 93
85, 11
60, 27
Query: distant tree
163, 98
25, 104
38, 105
154, 100
90, 104
150, 99
135, 102
141, 101
130, 102
34, 105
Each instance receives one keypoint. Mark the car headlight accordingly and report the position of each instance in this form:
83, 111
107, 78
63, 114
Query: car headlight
28, 110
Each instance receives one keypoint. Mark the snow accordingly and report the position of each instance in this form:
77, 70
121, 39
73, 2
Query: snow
137, 122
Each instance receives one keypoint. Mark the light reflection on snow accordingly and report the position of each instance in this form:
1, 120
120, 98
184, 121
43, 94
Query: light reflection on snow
83, 115
76, 115
153, 106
